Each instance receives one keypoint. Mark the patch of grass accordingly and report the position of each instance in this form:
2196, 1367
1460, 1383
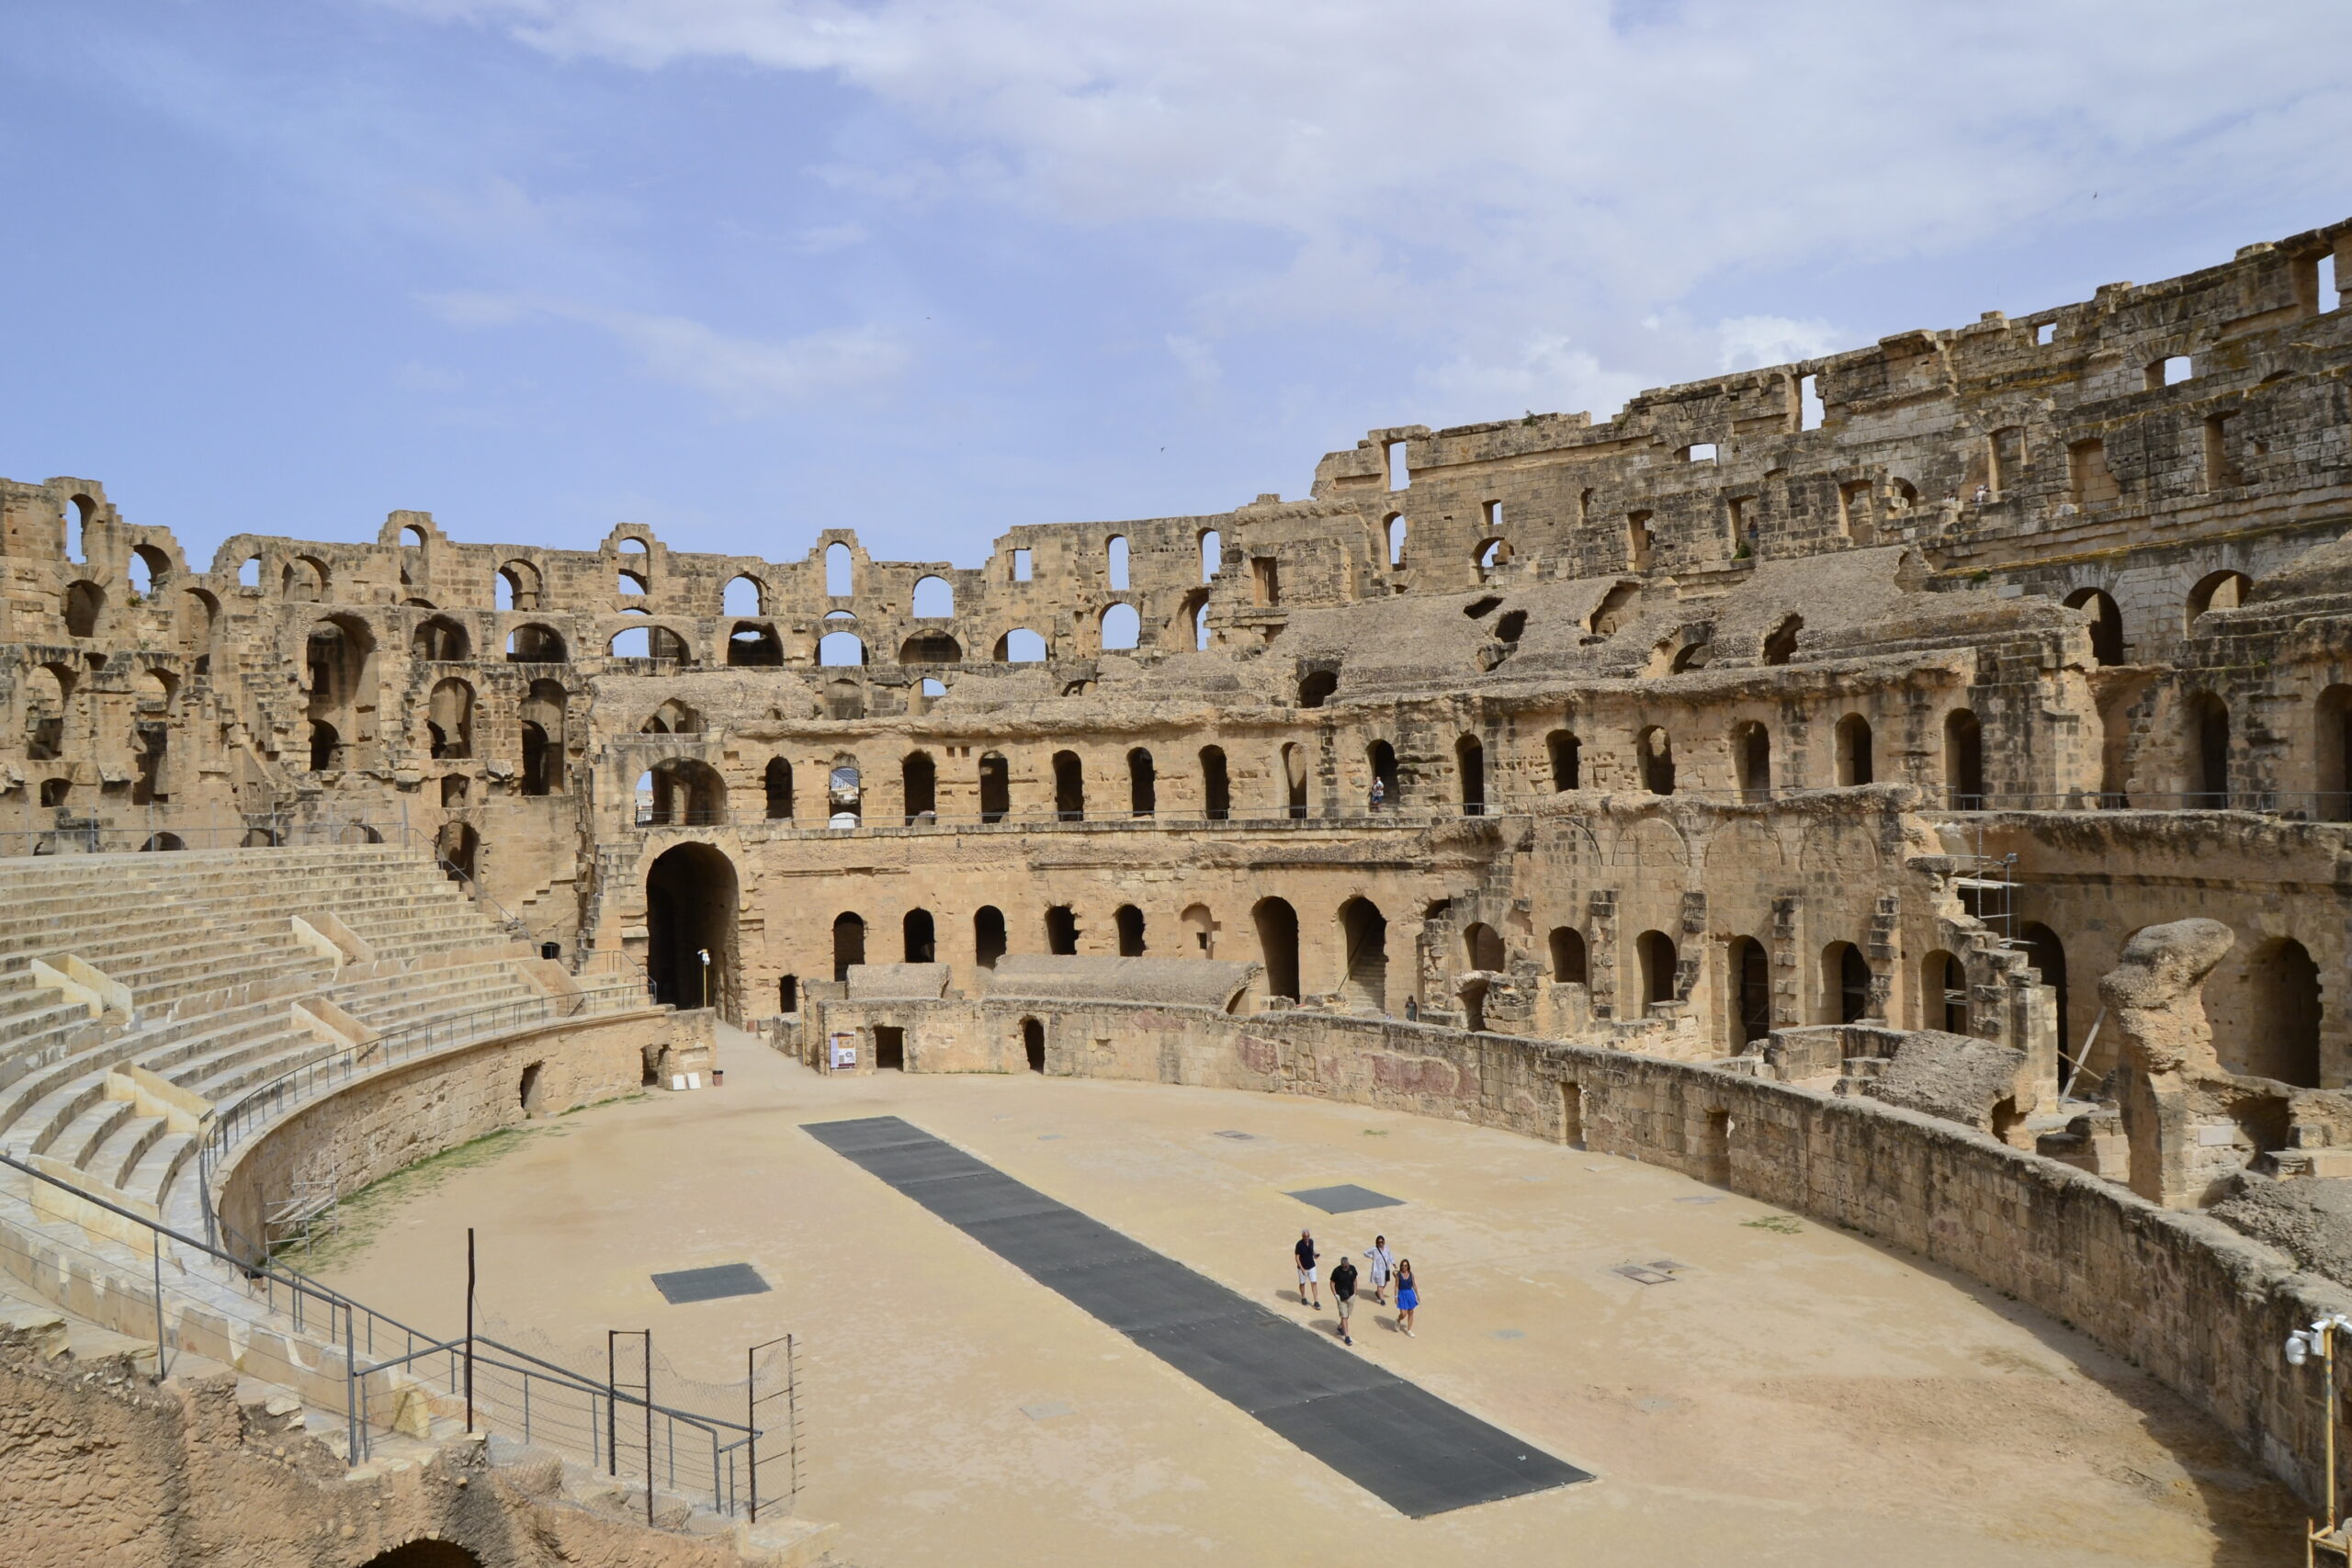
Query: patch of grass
1778, 1224
1376, 1132
629, 1099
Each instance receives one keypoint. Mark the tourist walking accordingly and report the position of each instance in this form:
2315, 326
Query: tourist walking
1304, 1252
1408, 1296
1381, 1264
1343, 1293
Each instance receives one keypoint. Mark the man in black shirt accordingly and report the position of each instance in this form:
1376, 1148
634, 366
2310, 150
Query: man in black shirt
1304, 1252
1343, 1293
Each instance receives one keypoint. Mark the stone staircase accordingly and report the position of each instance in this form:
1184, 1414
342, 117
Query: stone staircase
166, 986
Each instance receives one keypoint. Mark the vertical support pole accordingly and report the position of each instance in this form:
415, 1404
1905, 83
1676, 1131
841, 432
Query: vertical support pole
2327, 1366
612, 1403
470, 1328
752, 1425
350, 1380
155, 1243
648, 1427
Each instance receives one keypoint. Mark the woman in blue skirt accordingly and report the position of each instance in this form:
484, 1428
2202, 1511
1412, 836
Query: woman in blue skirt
1408, 1296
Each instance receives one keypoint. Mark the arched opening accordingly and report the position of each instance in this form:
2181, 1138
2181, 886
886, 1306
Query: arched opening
1032, 1044
458, 847
1212, 554
1570, 964
690, 904
449, 719
1482, 947
1783, 640
1020, 646
743, 596
631, 642
1315, 689
844, 794
516, 586
2216, 590
918, 937
687, 793
934, 599
753, 646
1364, 934
536, 755
304, 579
777, 779
1070, 787
1129, 921
440, 640
1294, 779
919, 779
85, 602
1121, 629
841, 650
1277, 926
787, 993
1751, 977
536, 643
1844, 984
194, 612
149, 568
545, 710
165, 841
988, 935
1566, 756
326, 747
673, 717
2048, 954
1396, 528
1470, 767
454, 788
1381, 758
2332, 753
45, 690
1853, 750
1963, 761
1655, 750
1216, 784
2106, 622
2284, 1017
931, 647
996, 787
1490, 557
424, 1554
1655, 959
1143, 784
1751, 756
1062, 931
1943, 992
1511, 628
1200, 619
1200, 929
841, 572
848, 944
2209, 752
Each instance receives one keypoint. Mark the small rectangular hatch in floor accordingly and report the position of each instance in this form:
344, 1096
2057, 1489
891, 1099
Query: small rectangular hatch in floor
709, 1284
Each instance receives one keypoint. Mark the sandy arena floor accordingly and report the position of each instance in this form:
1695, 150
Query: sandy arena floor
1790, 1398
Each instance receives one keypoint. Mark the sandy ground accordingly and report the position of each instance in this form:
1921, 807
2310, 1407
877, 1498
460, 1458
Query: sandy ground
1790, 1398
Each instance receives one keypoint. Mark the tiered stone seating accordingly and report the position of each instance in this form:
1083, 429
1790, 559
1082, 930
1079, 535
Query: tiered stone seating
205, 944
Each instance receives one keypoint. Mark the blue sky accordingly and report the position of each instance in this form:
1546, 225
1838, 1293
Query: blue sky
742, 269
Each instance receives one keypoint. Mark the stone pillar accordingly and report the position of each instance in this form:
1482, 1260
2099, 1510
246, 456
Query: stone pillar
2155, 996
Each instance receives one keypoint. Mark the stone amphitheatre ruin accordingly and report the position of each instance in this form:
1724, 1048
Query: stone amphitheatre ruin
1911, 787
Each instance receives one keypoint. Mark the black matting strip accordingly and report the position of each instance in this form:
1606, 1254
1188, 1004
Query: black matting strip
1404, 1445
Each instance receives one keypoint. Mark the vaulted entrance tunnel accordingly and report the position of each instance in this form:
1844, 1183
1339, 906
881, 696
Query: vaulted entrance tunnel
690, 903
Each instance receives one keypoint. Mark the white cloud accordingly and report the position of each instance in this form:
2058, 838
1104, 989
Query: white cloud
1548, 375
1197, 360
745, 375
1750, 341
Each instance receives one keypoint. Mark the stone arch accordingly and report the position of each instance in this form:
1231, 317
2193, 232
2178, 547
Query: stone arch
1363, 933
440, 640
691, 898
1277, 927
2282, 1039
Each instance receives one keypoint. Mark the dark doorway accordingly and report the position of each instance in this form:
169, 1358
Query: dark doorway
424, 1554
996, 788
1216, 787
1364, 930
988, 935
1070, 787
2209, 719
1129, 920
922, 943
1964, 760
889, 1049
1277, 925
848, 944
1751, 968
919, 776
1062, 931
1471, 759
1143, 784
1847, 975
690, 902
1654, 951
777, 780
2284, 986
1032, 1044
2048, 954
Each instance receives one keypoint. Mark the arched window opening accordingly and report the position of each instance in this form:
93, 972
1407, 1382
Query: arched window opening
1020, 646
45, 688
2209, 752
458, 847
918, 937
754, 647
1964, 760
449, 719
1566, 756
1062, 931
2332, 749
2217, 591
1853, 750
841, 572
629, 584
1316, 688
1294, 779
1396, 528
1511, 628
841, 650
988, 935
1201, 627
536, 643
1568, 960
2106, 622
934, 599
2282, 1039
516, 586
1482, 947
1655, 750
1492, 556
1212, 555
1200, 930
1381, 758
150, 568
1943, 994
440, 640
1783, 641
1655, 955
1752, 753
787, 993
1143, 784
1277, 926
686, 793
56, 791
844, 794
1751, 977
635, 642
1122, 628
1616, 607
848, 944
536, 751
86, 604
1844, 984
931, 647
1363, 933
1129, 921
304, 579
919, 780
1470, 767
454, 787
326, 747
1070, 787
777, 782
673, 717
1693, 655
1032, 1044
2048, 954
743, 596
1215, 784
996, 787
1115, 558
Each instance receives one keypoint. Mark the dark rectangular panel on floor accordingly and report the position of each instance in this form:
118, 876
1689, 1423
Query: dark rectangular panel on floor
1404, 1445
709, 1284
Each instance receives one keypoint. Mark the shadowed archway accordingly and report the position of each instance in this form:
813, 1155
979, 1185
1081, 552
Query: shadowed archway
690, 903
